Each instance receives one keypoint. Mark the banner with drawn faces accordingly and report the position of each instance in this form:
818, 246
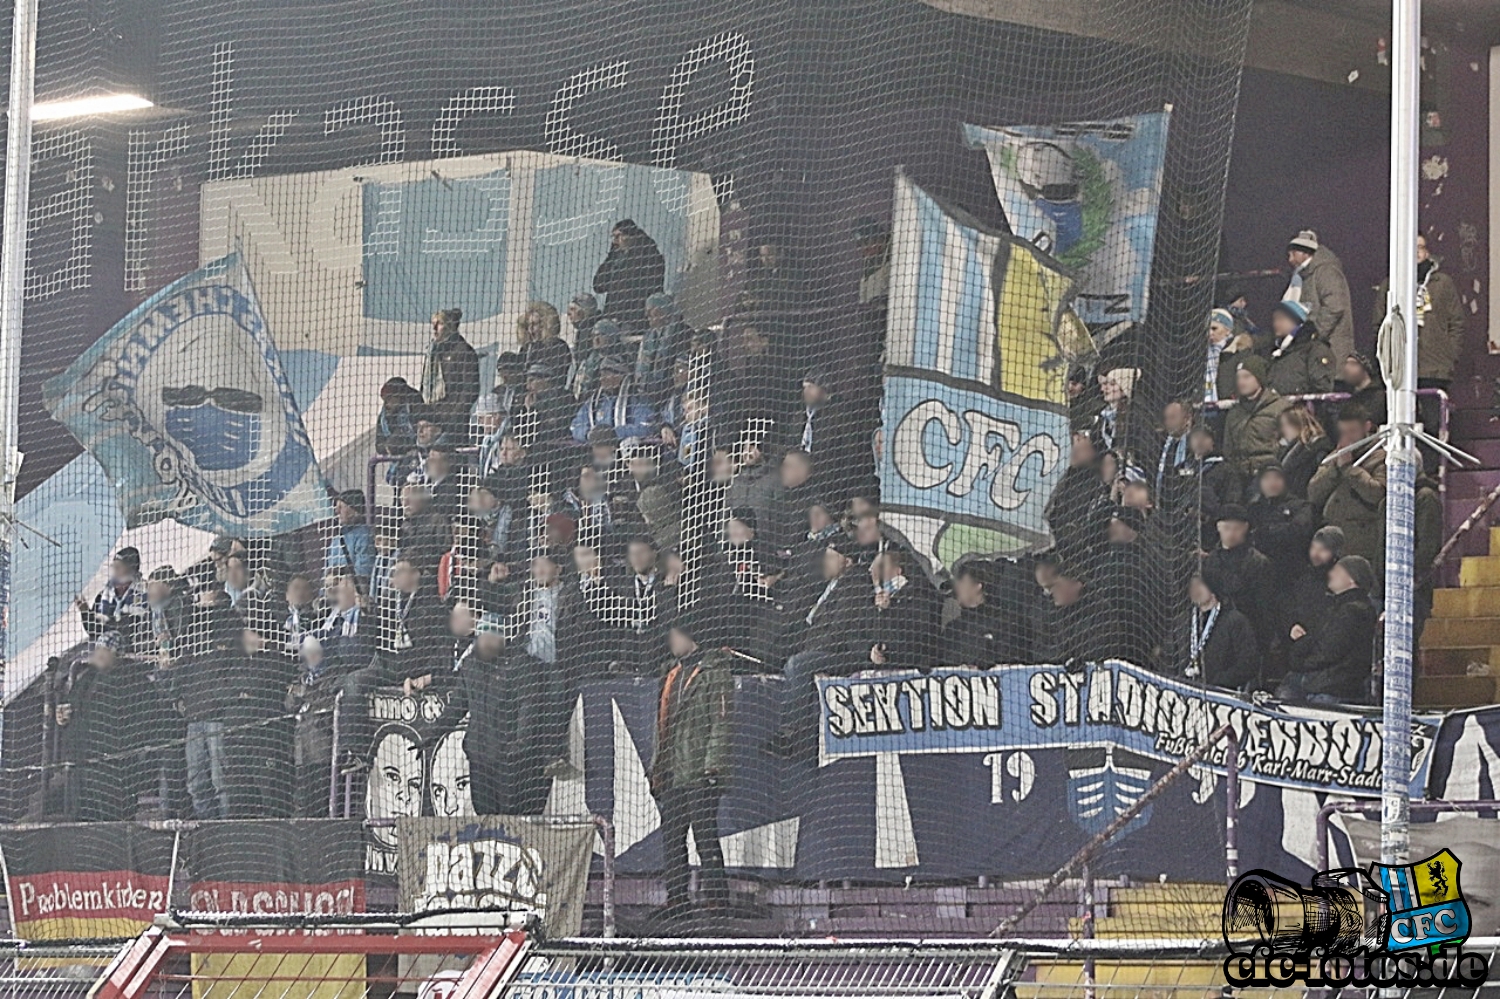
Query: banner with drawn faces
417, 768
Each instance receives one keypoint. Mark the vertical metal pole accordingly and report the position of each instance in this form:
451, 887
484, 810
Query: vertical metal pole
1401, 455
333, 761
1231, 807
1086, 918
13, 284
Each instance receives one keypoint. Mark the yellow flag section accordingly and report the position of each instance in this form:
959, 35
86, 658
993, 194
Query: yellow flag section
278, 869
979, 339
99, 881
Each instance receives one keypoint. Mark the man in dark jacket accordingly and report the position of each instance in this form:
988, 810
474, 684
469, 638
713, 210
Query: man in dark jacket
105, 707
1252, 428
517, 714
1303, 604
1242, 576
632, 272
982, 635
1130, 579
425, 530
1330, 665
450, 379
1072, 632
907, 610
1366, 389
690, 766
1281, 525
1301, 364
1220, 645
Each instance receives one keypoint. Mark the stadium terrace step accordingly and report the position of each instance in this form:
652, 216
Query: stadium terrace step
1486, 450
1473, 424
1174, 892
1136, 979
1162, 924
1460, 632
1474, 601
1479, 570
1471, 484
1447, 692
1455, 662
1123, 907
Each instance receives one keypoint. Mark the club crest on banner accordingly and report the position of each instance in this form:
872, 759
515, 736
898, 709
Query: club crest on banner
1105, 782
185, 404
1427, 907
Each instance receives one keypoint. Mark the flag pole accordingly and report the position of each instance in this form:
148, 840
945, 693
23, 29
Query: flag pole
13, 286
1398, 350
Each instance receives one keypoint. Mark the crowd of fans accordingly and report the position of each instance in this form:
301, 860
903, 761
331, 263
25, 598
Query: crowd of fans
638, 504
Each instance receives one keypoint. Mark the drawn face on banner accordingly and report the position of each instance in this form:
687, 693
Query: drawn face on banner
449, 784
395, 785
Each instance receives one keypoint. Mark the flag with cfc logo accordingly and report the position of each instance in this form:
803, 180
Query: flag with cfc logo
975, 416
1427, 907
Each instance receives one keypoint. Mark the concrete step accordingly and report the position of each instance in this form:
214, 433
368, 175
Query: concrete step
1474, 601
1461, 633
1448, 692
1471, 483
1123, 908
1161, 925
1479, 570
1487, 451
1474, 391
1173, 892
1473, 424
1455, 662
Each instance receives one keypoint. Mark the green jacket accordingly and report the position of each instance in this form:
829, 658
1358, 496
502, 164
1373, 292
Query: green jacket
693, 727
1325, 295
1440, 340
1353, 498
1252, 431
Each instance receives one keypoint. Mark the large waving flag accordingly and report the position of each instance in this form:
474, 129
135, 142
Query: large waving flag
185, 404
975, 413
1087, 193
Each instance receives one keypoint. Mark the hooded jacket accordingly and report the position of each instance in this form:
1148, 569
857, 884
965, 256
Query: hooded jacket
1440, 339
1325, 295
1353, 499
1252, 431
1334, 658
1302, 367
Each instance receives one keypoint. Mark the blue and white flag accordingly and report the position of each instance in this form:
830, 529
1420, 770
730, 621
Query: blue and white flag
975, 415
185, 404
1087, 193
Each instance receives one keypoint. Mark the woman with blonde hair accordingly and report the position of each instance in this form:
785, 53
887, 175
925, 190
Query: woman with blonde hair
539, 330
1304, 445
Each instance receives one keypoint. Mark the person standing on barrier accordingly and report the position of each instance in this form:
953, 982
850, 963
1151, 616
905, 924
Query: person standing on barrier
691, 764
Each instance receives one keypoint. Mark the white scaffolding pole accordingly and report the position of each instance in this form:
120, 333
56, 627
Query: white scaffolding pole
13, 283
1399, 357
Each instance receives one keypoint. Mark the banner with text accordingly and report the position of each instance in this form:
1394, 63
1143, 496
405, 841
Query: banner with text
1114, 705
105, 880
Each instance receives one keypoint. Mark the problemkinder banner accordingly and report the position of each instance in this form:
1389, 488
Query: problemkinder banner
1087, 193
103, 880
1113, 706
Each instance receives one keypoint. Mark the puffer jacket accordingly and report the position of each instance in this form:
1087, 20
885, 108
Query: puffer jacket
1325, 294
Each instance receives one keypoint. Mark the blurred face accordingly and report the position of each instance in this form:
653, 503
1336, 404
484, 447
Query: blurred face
1246, 384
585, 559
618, 239
489, 645
347, 514
1045, 575
536, 326
682, 374
657, 318
482, 502
1289, 430
1354, 373
867, 530
543, 571
1137, 496
1201, 443
414, 499
640, 556
1121, 533
1320, 555
860, 506
1110, 390
345, 594
298, 592
1083, 451
968, 591
1066, 591
1422, 255
642, 468
795, 471
1218, 332
1339, 580
488, 422
439, 464
750, 454
590, 483
813, 395
404, 577
1272, 485
1232, 533
1352, 432
461, 620
102, 658
739, 533
536, 384
1282, 324
1200, 594
834, 564
1109, 467
1297, 257
427, 433
818, 520
721, 467
575, 314
157, 591
235, 574
611, 379
680, 644
1175, 419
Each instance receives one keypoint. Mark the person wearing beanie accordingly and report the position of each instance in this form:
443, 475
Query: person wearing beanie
691, 766
121, 606
617, 404
667, 335
1318, 284
396, 426
1227, 343
1361, 377
583, 315
1120, 426
1302, 604
1330, 664
1217, 645
633, 270
1131, 583
1252, 431
1351, 494
1240, 575
1301, 363
353, 546
605, 340
450, 378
